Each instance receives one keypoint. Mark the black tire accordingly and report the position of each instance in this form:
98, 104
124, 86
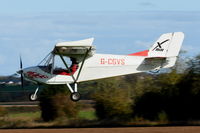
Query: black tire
75, 96
32, 98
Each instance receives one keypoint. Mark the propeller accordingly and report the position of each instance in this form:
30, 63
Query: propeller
21, 73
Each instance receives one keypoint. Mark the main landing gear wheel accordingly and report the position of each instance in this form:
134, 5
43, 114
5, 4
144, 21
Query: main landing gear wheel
32, 97
75, 96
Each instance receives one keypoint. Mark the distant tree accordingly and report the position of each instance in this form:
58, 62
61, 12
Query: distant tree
55, 103
188, 98
154, 93
112, 101
176, 93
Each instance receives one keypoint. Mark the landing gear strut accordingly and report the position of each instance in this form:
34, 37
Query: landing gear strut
75, 95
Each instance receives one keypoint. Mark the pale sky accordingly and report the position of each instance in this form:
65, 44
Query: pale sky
31, 28
44, 6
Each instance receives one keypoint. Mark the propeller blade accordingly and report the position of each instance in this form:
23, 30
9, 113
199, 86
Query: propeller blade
21, 73
21, 66
22, 81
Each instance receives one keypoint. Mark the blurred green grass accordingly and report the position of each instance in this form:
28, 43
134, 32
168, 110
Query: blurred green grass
87, 114
25, 115
31, 116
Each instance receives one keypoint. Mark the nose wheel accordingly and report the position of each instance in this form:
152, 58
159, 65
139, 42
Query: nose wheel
33, 96
75, 96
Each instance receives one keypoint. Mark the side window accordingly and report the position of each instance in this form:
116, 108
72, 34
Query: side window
58, 64
60, 68
53, 64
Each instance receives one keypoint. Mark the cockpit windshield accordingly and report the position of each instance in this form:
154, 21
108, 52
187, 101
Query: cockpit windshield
47, 63
53, 64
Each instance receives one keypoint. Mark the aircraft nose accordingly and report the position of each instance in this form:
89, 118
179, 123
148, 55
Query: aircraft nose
20, 71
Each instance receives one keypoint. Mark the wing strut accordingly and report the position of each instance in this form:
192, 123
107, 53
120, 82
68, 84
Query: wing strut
85, 56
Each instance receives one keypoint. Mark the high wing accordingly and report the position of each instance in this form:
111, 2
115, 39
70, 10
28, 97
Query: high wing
76, 49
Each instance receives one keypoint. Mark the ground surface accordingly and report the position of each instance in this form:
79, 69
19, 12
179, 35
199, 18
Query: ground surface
186, 129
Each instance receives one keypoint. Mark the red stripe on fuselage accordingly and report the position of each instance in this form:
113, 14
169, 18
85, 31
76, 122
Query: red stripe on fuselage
142, 53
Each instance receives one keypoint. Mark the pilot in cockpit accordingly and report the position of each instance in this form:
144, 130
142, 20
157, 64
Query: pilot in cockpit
72, 69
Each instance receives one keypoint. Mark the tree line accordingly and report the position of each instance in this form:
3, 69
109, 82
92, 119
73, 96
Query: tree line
171, 96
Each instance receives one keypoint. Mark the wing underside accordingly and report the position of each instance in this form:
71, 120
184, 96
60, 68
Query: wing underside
75, 48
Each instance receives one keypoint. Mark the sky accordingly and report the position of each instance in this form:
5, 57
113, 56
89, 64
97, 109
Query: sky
38, 6
32, 28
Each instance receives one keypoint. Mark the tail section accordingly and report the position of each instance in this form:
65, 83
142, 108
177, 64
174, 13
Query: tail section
168, 45
163, 53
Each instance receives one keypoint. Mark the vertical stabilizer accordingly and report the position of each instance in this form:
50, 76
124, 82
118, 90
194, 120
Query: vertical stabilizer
168, 45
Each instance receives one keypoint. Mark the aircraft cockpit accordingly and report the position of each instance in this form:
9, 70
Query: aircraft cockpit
53, 64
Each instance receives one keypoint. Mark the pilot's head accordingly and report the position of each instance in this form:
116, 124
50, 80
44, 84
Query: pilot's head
73, 60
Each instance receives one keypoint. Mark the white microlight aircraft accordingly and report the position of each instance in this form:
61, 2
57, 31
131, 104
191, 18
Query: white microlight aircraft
86, 65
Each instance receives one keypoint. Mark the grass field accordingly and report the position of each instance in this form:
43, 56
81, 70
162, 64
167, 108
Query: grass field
87, 114
30, 117
19, 117
25, 115
83, 114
